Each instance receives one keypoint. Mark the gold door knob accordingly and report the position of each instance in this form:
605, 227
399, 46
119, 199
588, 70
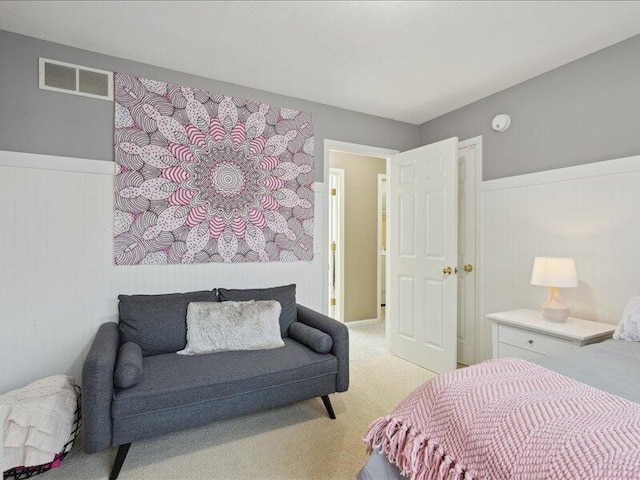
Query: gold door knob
468, 268
447, 270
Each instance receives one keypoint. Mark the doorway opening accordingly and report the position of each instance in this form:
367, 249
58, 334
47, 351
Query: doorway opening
355, 241
356, 273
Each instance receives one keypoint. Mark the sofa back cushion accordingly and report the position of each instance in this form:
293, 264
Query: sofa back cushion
158, 323
286, 295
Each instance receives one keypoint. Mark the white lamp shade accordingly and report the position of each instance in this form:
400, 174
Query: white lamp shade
554, 272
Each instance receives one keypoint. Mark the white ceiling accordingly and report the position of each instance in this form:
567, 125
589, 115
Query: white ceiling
409, 61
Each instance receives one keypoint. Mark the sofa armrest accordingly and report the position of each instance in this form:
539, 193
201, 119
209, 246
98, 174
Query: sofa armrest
97, 388
339, 334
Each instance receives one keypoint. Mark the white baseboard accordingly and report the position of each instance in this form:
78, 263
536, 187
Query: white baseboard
362, 323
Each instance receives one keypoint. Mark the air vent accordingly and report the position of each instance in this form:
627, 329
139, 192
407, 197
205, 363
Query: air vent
75, 79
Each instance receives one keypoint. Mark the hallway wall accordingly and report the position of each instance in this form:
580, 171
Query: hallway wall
361, 232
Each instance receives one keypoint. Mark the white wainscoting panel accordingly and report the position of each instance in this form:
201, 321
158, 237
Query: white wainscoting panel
58, 282
589, 212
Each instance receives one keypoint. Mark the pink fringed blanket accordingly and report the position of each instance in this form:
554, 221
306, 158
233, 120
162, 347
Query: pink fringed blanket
510, 419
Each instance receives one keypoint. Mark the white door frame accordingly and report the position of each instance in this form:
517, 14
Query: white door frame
382, 178
477, 141
346, 147
339, 294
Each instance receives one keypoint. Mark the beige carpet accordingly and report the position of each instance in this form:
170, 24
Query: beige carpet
366, 341
294, 442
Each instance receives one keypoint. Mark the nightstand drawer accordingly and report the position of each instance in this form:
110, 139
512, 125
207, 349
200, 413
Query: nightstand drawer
532, 341
509, 351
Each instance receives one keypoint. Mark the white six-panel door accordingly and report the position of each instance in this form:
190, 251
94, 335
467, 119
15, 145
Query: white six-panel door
467, 265
423, 219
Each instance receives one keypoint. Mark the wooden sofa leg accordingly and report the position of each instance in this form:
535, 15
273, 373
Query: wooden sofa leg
327, 405
120, 456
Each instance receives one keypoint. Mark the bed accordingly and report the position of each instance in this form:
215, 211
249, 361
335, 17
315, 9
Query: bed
610, 366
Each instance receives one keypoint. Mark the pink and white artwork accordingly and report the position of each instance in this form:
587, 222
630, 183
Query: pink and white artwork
203, 177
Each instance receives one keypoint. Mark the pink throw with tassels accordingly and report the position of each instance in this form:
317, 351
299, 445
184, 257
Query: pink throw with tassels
510, 419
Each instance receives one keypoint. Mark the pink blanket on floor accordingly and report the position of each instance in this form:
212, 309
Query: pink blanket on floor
510, 419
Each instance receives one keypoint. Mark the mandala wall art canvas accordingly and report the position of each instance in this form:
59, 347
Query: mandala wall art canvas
203, 177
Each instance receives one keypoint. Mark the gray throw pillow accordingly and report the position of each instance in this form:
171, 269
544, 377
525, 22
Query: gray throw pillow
286, 295
227, 326
158, 322
128, 365
313, 338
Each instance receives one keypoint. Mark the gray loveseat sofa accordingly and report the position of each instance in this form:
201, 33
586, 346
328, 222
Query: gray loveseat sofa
176, 392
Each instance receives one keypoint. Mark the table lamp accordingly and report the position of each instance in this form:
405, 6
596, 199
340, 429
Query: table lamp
555, 273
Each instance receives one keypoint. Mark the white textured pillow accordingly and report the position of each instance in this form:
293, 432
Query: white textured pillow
629, 326
224, 326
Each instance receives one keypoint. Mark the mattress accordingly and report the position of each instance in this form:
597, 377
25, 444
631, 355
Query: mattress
612, 366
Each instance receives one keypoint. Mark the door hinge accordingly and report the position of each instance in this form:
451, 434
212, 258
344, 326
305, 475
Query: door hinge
333, 246
333, 302
334, 192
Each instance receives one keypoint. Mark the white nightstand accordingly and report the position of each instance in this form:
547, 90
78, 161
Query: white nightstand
525, 334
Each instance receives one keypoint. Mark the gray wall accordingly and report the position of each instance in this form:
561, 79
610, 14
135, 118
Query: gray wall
583, 112
40, 121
